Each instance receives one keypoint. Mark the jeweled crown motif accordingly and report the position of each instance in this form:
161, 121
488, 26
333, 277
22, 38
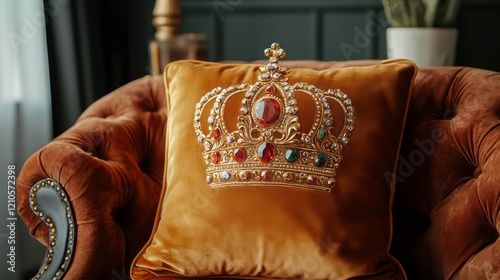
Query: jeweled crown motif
268, 147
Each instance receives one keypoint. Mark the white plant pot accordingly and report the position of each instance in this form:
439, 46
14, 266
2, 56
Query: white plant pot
424, 46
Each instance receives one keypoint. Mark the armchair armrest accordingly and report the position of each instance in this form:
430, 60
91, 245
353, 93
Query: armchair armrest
50, 202
109, 166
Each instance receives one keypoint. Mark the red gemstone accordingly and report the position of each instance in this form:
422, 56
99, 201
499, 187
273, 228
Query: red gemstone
266, 175
216, 133
216, 157
267, 111
270, 89
266, 152
312, 180
330, 182
240, 155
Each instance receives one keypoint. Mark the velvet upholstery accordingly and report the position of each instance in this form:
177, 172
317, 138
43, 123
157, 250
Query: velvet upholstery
448, 195
446, 207
111, 166
276, 232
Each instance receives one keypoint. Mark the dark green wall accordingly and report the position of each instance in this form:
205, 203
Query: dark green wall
327, 29
241, 29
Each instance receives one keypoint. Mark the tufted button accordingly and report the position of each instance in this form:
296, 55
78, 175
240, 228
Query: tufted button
449, 114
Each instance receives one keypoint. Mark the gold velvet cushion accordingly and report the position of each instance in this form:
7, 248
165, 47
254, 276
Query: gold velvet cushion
278, 232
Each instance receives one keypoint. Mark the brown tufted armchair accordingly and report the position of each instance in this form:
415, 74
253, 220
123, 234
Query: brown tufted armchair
91, 194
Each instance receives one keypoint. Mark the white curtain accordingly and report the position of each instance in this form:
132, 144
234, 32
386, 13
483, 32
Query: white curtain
25, 114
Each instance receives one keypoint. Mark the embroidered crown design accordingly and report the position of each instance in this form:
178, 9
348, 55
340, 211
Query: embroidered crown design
268, 146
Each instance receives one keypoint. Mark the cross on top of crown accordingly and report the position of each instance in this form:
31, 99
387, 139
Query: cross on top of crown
275, 53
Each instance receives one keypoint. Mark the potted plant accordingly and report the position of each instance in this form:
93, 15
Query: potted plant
422, 30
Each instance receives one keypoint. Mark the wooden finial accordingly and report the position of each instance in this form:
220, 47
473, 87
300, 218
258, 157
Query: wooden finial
166, 18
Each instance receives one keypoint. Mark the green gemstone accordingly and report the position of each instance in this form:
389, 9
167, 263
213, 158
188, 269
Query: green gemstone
291, 155
320, 160
321, 134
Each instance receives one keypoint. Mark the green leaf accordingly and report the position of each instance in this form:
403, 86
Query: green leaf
421, 13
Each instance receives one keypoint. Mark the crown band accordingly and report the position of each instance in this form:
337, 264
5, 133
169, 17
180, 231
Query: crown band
268, 147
